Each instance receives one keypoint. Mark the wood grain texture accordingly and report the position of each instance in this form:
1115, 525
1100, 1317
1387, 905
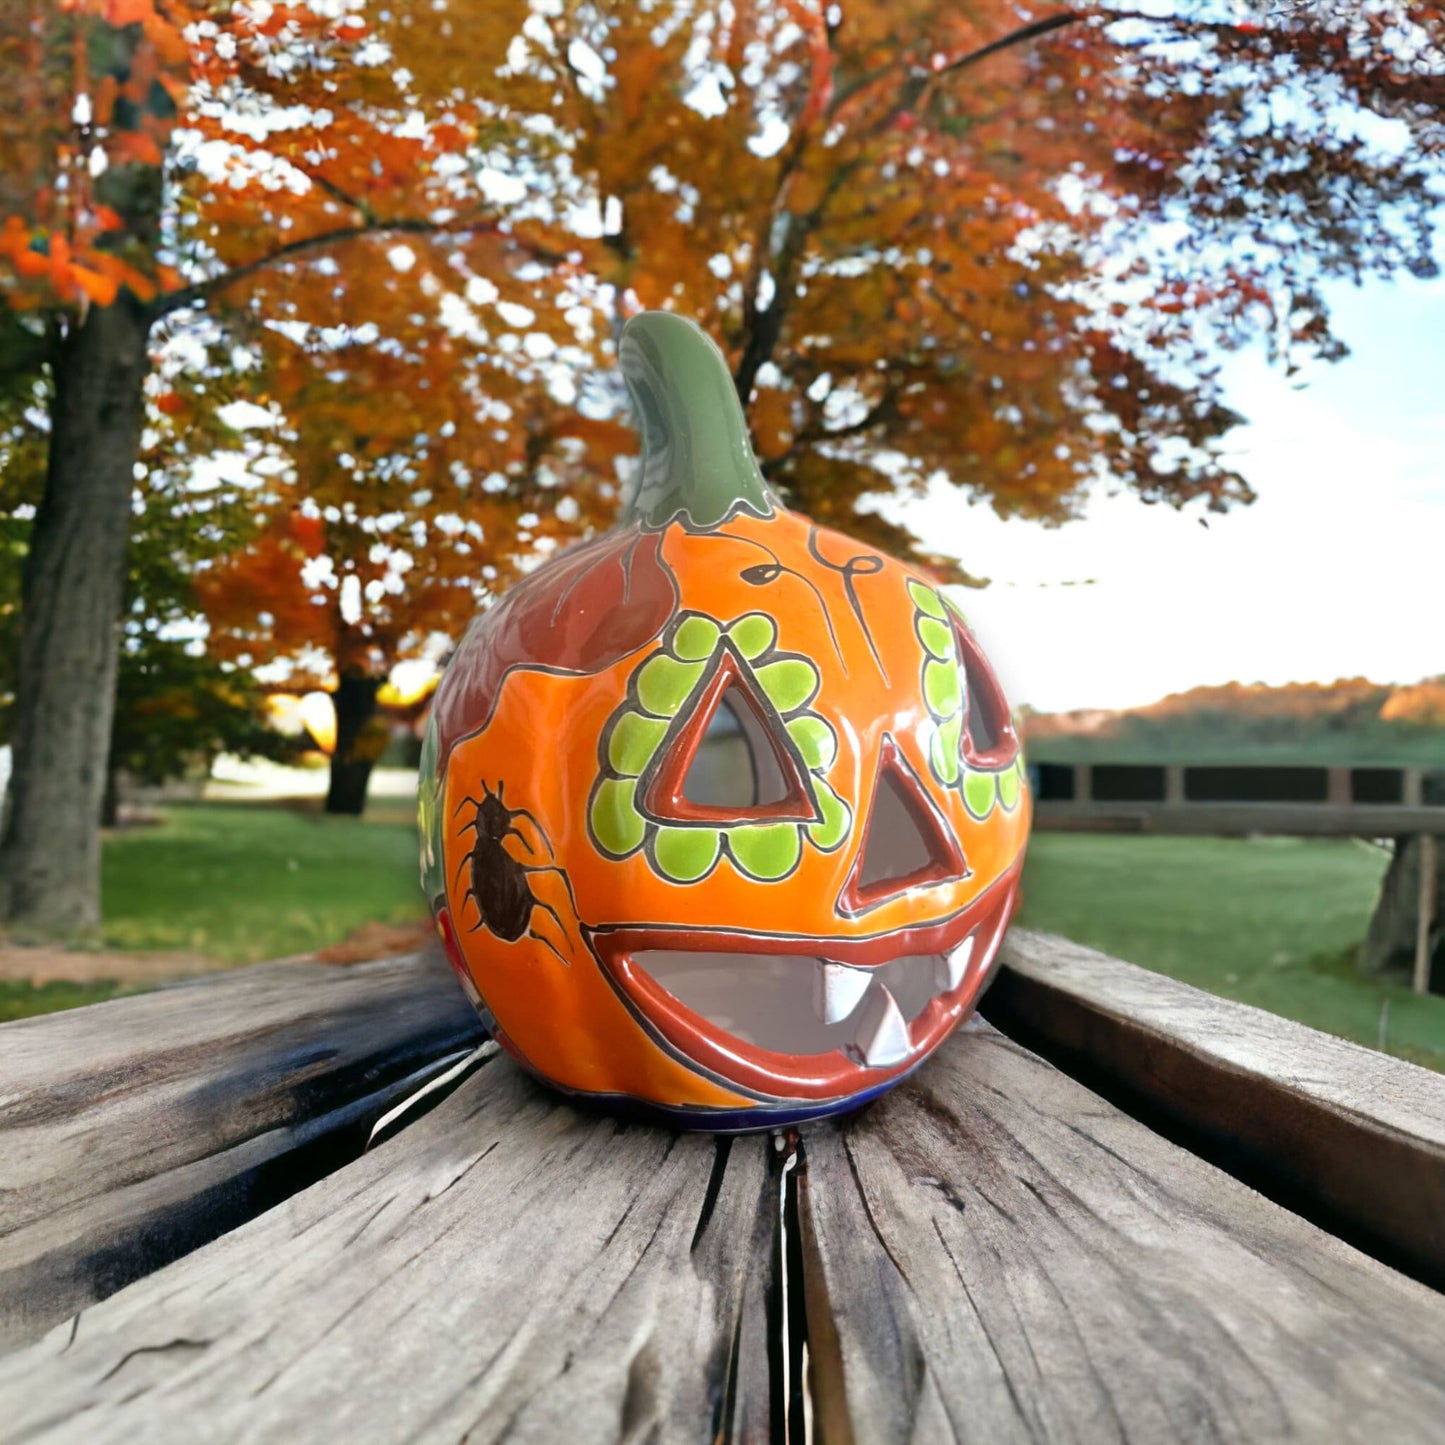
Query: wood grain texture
992, 1254
1354, 1137
505, 1268
136, 1130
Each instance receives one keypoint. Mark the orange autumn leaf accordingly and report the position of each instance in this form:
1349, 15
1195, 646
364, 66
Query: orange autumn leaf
102, 290
31, 264
309, 532
136, 147
128, 12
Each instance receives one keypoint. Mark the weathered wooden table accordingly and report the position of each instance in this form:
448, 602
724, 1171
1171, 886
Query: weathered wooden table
1175, 1219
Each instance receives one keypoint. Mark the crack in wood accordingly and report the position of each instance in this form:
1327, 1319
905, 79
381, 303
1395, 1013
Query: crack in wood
140, 1350
722, 1150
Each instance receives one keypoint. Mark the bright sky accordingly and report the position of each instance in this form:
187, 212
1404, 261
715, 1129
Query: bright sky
1337, 570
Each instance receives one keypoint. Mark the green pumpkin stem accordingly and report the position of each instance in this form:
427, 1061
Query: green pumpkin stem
697, 462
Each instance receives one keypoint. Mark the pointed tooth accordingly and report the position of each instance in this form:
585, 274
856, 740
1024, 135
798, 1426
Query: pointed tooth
882, 1036
836, 990
949, 970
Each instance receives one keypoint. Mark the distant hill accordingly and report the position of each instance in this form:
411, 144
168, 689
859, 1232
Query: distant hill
1350, 722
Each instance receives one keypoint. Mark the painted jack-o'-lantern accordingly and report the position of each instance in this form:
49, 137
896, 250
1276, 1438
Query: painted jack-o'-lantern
722, 813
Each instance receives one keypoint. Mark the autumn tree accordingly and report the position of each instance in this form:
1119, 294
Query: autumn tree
390, 523
177, 704
940, 242
137, 187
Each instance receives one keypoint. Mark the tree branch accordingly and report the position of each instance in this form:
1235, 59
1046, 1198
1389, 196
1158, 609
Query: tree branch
764, 328
204, 290
875, 414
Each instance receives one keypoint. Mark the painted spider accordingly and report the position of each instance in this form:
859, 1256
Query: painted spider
500, 884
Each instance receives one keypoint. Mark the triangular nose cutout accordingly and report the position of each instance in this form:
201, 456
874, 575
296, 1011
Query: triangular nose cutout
729, 760
907, 843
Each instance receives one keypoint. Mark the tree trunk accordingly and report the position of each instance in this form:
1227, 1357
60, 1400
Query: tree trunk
360, 740
110, 800
71, 597
1389, 947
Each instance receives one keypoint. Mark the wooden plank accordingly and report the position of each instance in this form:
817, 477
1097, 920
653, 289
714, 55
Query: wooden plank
1337, 784
992, 1253
1353, 1137
136, 1130
1234, 820
1174, 785
507, 1267
1413, 791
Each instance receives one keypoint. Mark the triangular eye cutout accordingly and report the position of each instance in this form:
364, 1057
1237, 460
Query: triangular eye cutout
729, 760
907, 843
989, 739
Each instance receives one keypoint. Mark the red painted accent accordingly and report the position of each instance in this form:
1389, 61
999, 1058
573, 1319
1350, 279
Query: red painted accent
450, 946
808, 1076
580, 613
982, 685
665, 798
946, 862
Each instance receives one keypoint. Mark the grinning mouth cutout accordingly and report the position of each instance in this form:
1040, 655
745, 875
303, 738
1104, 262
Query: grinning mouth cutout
793, 1017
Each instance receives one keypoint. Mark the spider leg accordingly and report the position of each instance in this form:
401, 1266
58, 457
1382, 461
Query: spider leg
464, 803
560, 872
458, 878
541, 832
520, 837
470, 897
532, 933
556, 918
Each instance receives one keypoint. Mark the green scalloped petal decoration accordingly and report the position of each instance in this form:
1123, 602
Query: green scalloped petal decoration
954, 608
686, 854
832, 827
1008, 789
616, 824
695, 639
942, 689
943, 754
753, 634
980, 791
634, 739
936, 636
926, 600
789, 683
663, 684
766, 850
815, 740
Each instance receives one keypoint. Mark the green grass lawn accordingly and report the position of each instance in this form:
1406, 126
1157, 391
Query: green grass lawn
241, 882
1271, 921
20, 1000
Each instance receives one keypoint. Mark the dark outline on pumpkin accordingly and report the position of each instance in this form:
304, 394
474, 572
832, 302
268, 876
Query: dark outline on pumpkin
684, 519
776, 570
891, 755
848, 570
651, 825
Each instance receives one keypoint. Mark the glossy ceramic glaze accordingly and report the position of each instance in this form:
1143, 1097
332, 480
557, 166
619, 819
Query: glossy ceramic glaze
722, 812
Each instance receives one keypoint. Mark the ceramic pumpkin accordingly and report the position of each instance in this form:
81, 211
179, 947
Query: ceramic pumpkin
722, 813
